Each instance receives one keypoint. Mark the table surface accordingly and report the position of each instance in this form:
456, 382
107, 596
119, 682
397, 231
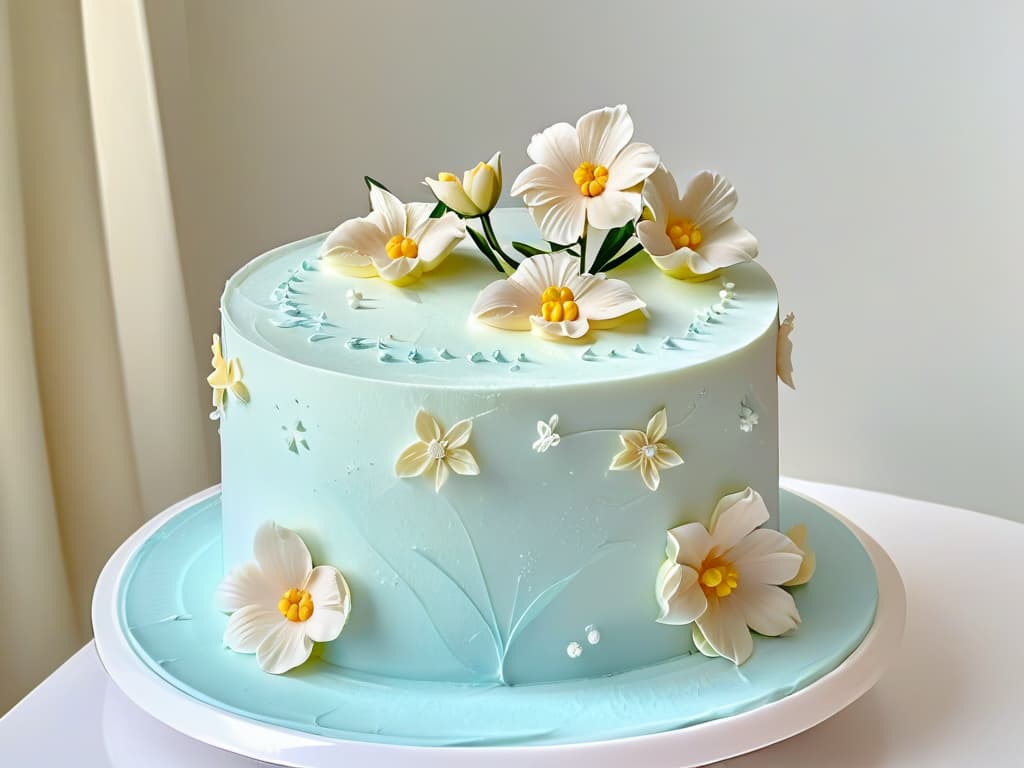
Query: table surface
953, 696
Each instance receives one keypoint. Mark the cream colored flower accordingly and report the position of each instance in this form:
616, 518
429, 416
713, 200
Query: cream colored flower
784, 351
549, 296
280, 604
476, 194
725, 578
587, 174
647, 451
693, 236
441, 454
397, 242
226, 377
798, 535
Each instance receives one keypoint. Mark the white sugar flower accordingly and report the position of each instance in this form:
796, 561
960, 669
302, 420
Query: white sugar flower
724, 578
441, 454
587, 174
546, 435
798, 535
226, 377
549, 296
784, 351
280, 604
647, 451
476, 194
695, 235
397, 242
748, 418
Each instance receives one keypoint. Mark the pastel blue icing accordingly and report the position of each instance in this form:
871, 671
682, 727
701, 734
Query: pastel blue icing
166, 612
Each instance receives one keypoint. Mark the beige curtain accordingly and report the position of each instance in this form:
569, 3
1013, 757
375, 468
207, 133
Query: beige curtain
102, 425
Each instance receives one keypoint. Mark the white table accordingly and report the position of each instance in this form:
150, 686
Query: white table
953, 697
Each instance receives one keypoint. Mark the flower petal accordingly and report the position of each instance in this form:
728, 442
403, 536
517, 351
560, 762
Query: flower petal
332, 604
798, 535
725, 630
765, 557
417, 217
459, 434
601, 298
629, 458
440, 475
680, 597
506, 304
568, 329
689, 544
709, 200
245, 585
401, 271
657, 426
654, 239
557, 147
282, 556
452, 194
357, 237
767, 610
701, 643
562, 220
413, 461
286, 647
662, 195
612, 208
602, 134
539, 184
633, 164
724, 246
649, 473
667, 457
438, 238
391, 212
427, 428
461, 462
735, 516
249, 626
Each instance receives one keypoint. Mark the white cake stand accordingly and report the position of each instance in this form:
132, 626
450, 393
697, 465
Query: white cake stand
692, 746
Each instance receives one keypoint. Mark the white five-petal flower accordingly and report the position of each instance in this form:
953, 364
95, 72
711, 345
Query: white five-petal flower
694, 235
549, 296
587, 174
647, 451
546, 435
724, 578
397, 242
280, 604
784, 351
440, 453
226, 377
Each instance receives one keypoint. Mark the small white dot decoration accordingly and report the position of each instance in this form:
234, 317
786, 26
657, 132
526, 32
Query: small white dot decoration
574, 650
593, 634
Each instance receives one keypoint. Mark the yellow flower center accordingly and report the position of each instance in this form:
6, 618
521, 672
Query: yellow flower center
296, 605
683, 233
719, 579
591, 179
445, 176
399, 246
558, 303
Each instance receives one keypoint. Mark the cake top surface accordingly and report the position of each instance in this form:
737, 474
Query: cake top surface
292, 302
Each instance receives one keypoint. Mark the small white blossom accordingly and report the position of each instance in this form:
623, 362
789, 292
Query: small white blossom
547, 437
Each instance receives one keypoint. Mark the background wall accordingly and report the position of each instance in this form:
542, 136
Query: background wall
876, 147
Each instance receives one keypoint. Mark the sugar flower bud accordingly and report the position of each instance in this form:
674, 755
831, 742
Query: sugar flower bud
476, 194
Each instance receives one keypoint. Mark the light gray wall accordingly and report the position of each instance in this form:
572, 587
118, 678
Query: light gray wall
876, 147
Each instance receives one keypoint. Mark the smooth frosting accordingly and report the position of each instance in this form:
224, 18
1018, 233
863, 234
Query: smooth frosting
165, 612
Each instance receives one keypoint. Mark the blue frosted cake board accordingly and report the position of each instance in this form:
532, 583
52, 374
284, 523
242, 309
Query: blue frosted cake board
160, 638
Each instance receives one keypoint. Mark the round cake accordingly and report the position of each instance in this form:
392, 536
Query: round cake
497, 500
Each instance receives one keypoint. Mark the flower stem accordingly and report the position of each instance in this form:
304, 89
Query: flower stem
492, 239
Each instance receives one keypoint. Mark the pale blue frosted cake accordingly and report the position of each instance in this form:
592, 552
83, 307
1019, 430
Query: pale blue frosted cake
524, 445
499, 573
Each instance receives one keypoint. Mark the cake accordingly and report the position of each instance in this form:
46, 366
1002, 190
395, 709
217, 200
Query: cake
509, 446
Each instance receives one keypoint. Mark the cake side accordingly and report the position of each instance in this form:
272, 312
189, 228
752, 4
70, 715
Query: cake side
498, 575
